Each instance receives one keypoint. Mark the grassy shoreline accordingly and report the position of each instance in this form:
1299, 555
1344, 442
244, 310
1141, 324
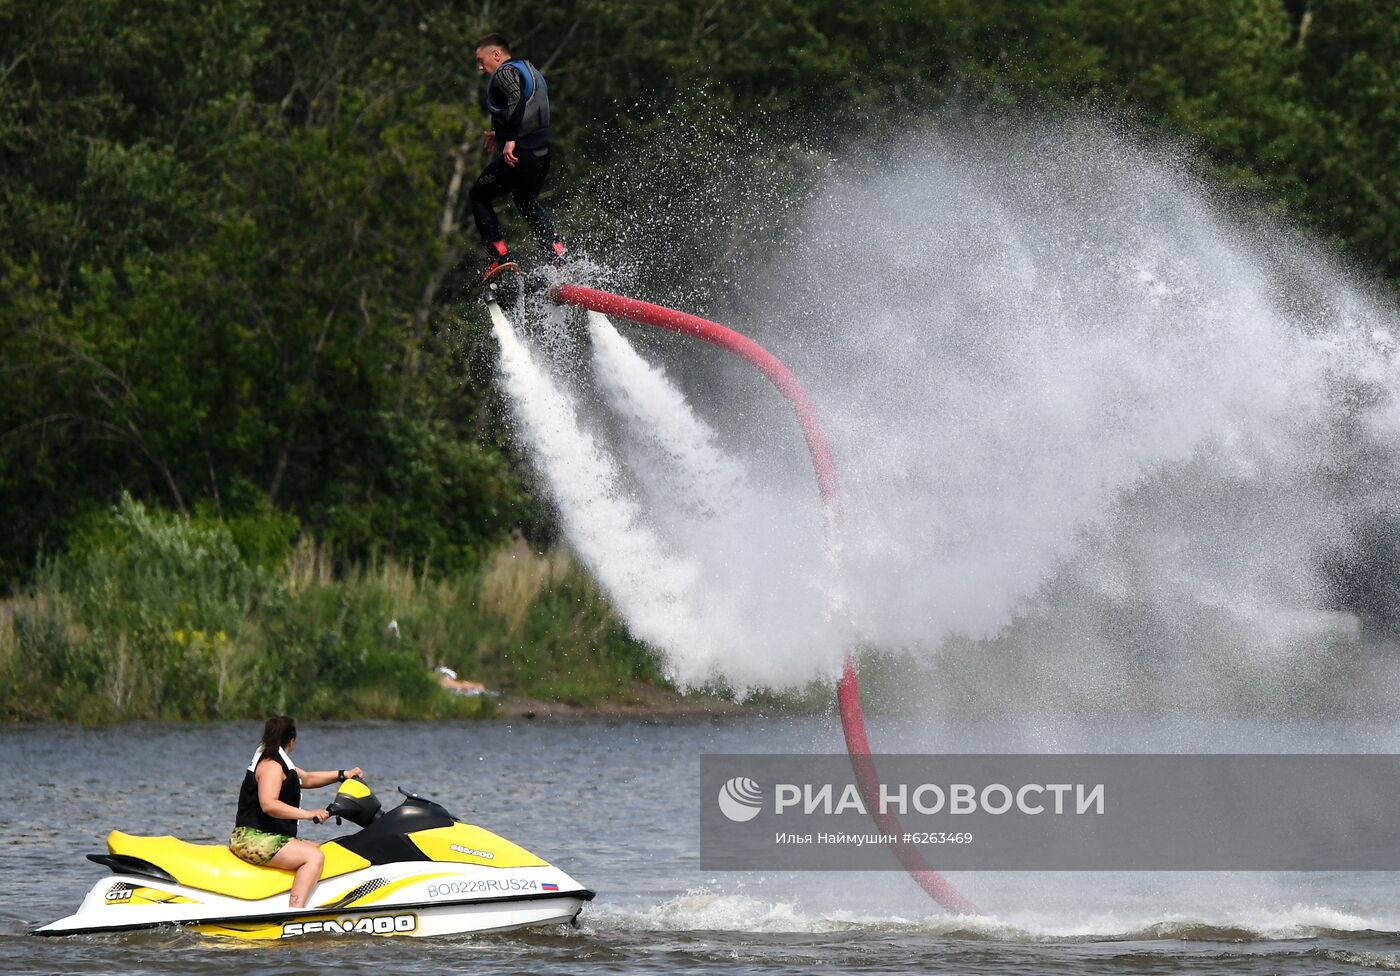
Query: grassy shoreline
155, 616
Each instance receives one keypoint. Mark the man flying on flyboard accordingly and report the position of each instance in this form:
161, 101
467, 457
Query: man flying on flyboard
518, 100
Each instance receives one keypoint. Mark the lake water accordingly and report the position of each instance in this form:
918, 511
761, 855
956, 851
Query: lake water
615, 803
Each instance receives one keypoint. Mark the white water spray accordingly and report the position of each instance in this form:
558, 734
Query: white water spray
675, 453
742, 603
652, 587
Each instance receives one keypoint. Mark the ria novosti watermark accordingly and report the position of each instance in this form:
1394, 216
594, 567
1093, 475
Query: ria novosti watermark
1043, 812
931, 798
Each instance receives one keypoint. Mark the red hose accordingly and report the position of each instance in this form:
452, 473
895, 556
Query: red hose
848, 688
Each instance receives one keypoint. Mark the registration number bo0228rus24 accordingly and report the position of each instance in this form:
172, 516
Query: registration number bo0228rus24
370, 925
477, 886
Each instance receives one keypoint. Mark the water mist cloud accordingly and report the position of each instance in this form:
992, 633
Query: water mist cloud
1060, 380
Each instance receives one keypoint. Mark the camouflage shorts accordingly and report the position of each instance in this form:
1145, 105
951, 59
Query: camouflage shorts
255, 846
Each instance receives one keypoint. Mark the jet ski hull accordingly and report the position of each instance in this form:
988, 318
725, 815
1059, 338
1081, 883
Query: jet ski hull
421, 899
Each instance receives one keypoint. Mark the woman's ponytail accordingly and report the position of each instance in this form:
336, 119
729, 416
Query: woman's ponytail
279, 730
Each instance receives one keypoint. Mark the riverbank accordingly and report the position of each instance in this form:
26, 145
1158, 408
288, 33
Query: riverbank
636, 701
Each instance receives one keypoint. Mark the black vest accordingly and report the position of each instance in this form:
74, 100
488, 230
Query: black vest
250, 811
534, 123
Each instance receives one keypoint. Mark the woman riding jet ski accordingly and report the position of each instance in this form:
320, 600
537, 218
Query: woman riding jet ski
269, 806
415, 870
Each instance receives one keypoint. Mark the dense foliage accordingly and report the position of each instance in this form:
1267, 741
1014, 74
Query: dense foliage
148, 614
230, 229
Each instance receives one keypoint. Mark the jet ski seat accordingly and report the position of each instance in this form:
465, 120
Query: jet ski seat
215, 868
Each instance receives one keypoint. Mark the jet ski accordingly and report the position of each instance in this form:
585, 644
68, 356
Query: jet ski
415, 870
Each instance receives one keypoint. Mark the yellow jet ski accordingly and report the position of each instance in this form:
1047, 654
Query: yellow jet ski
414, 870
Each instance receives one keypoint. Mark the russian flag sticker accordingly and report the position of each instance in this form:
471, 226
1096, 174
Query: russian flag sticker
546, 886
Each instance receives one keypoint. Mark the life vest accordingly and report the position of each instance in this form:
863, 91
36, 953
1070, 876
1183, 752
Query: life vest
250, 811
534, 124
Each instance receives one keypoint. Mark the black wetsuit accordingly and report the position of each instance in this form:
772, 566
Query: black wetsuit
518, 100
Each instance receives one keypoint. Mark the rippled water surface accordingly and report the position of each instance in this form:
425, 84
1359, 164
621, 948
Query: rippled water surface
615, 804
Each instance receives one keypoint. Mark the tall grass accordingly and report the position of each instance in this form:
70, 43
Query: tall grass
9, 643
153, 615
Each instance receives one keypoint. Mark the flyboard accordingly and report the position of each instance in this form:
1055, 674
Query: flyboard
501, 285
510, 285
507, 284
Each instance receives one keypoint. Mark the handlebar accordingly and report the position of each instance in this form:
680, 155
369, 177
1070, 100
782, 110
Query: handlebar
336, 809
